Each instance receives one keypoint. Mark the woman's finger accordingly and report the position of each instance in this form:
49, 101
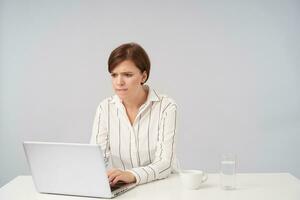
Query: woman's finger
109, 172
117, 178
113, 175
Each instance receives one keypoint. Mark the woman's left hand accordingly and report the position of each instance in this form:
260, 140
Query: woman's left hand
115, 175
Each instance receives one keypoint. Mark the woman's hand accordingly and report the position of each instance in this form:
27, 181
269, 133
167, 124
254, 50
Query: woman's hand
115, 175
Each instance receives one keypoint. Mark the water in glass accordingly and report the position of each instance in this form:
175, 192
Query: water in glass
228, 173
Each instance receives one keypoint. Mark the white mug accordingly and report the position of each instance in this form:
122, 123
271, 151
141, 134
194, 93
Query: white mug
192, 179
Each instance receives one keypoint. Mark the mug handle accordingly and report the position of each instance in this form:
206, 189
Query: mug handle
205, 177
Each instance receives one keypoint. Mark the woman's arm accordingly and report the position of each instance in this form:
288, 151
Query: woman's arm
100, 132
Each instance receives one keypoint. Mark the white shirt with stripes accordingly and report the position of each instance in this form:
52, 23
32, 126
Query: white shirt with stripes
147, 147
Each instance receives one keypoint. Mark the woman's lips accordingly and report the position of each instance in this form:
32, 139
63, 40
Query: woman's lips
121, 90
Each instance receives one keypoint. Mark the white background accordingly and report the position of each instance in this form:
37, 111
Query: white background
232, 66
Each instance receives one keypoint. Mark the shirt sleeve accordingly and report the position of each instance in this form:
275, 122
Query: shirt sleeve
100, 132
161, 166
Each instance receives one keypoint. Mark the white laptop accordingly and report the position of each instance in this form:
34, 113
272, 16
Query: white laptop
70, 169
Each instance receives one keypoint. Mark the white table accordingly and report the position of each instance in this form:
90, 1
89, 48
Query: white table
281, 186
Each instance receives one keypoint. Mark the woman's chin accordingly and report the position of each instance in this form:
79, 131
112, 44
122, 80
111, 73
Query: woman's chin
122, 96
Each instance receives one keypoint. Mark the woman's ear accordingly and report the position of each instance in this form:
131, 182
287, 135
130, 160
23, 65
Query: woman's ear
144, 77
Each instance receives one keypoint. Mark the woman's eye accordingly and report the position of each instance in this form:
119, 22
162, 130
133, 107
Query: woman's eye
128, 75
113, 75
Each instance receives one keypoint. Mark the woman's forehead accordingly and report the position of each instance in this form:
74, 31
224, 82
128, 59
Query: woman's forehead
125, 66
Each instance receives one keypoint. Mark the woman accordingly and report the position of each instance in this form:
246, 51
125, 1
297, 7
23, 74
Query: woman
136, 128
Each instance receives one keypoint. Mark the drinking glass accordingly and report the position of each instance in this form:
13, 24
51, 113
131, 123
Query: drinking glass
228, 171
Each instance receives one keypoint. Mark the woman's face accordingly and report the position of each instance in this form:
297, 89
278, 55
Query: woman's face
127, 79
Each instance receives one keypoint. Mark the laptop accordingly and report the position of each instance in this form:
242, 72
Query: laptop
70, 169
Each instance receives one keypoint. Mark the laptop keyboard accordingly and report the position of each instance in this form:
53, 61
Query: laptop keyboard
117, 185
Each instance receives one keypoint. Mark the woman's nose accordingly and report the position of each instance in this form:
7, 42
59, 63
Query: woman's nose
120, 80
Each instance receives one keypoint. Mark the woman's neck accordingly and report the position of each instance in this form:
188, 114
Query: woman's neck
136, 102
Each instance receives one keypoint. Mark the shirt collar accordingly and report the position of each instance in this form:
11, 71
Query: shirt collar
152, 96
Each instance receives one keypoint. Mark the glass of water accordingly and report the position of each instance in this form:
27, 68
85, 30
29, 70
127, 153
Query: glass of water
228, 171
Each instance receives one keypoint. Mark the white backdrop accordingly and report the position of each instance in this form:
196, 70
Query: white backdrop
232, 66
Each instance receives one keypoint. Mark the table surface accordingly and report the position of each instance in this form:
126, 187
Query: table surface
266, 186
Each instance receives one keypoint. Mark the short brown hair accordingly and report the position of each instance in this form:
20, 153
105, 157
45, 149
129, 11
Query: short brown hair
133, 52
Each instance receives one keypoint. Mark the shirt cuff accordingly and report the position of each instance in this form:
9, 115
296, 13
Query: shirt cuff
141, 175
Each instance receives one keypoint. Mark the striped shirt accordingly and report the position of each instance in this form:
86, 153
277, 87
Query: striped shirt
147, 147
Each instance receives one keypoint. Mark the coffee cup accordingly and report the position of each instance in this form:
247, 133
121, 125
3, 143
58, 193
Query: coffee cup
192, 179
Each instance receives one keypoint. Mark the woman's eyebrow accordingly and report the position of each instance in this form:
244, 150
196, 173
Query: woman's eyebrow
128, 72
